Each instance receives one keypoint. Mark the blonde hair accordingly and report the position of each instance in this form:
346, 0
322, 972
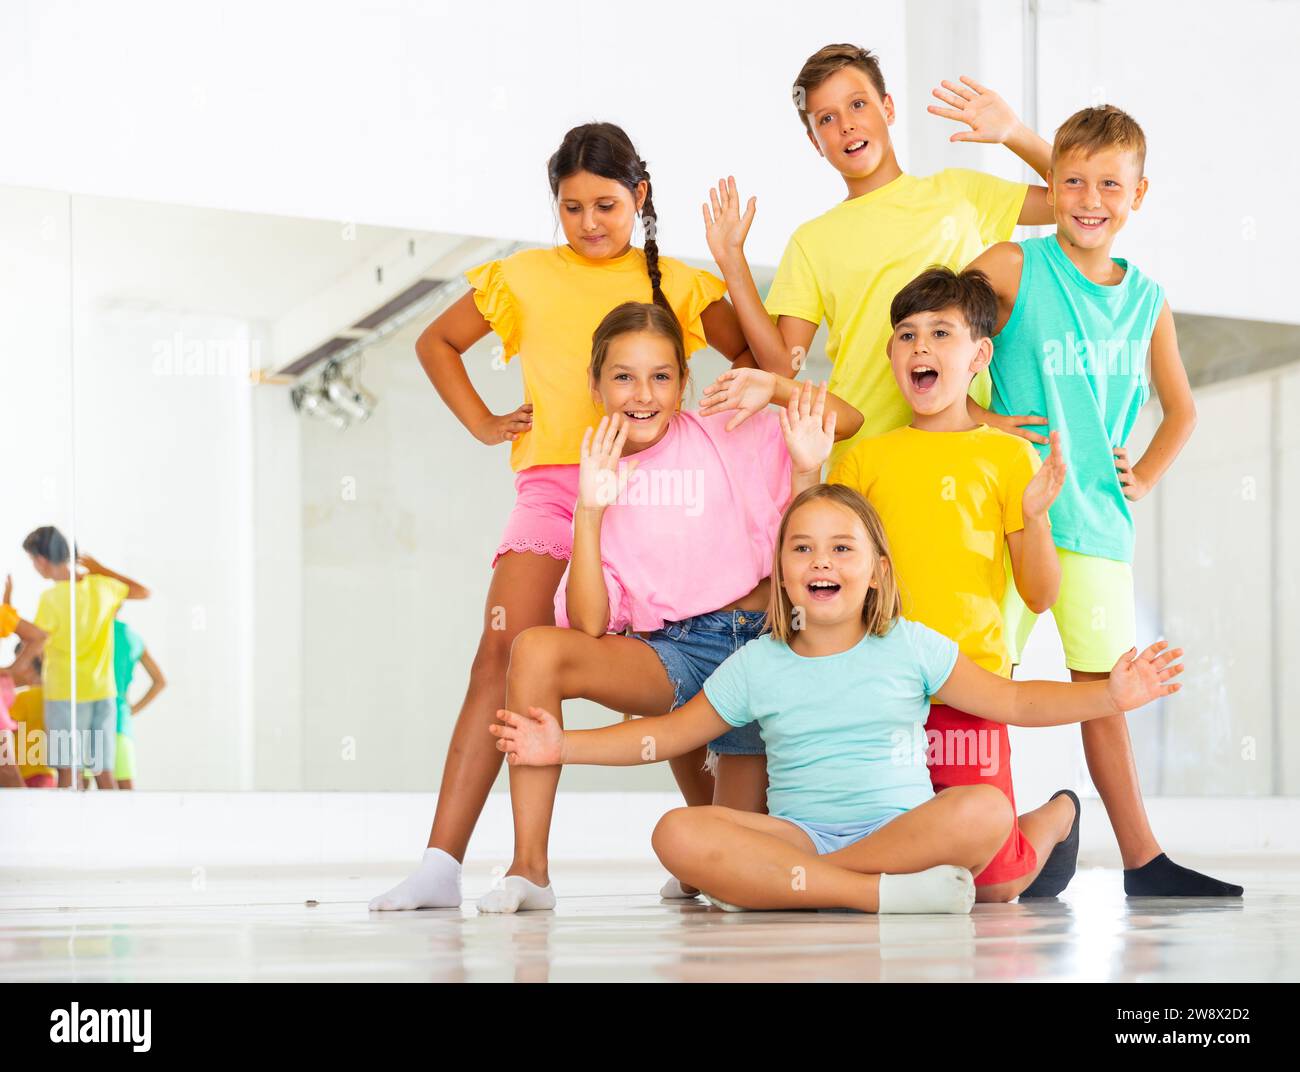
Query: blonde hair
883, 604
1092, 130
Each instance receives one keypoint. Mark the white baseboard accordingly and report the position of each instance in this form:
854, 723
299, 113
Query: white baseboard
92, 830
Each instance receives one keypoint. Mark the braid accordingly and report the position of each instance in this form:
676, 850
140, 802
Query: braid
651, 245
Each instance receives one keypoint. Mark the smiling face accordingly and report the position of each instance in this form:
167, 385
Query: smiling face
850, 122
640, 379
598, 214
828, 562
1093, 194
934, 359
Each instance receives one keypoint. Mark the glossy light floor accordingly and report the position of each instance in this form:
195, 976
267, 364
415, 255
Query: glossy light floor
610, 926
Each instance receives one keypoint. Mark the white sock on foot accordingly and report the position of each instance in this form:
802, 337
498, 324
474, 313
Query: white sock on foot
672, 891
434, 884
723, 904
945, 888
517, 894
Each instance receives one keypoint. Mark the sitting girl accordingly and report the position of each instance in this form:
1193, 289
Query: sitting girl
674, 550
840, 689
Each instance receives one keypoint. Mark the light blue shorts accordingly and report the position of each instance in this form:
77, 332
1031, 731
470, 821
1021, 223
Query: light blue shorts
96, 732
831, 837
692, 649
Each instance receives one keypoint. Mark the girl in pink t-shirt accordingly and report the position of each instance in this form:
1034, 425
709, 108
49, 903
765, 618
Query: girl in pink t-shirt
672, 549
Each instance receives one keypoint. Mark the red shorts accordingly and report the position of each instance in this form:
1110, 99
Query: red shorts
966, 750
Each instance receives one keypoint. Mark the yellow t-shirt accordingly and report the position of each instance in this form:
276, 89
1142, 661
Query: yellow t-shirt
846, 265
8, 619
947, 500
98, 598
546, 303
29, 712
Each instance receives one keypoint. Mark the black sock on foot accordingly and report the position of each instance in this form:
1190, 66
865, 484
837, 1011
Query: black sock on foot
1164, 878
1060, 866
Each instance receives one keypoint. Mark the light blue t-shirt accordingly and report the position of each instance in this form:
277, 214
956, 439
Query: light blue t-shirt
1075, 352
845, 733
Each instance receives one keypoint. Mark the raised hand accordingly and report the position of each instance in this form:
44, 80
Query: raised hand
746, 390
533, 739
1139, 679
9, 589
809, 430
506, 428
990, 118
1042, 490
600, 482
724, 226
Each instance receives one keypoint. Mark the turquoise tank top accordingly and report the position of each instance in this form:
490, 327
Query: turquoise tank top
1075, 352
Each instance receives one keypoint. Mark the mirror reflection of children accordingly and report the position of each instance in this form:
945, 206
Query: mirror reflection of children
129, 652
100, 592
31, 640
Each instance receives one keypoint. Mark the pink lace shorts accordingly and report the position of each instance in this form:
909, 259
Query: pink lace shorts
542, 520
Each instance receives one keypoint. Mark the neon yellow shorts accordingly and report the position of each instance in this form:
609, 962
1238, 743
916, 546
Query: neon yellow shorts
1094, 612
124, 768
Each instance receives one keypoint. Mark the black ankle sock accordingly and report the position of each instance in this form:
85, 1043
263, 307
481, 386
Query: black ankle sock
1164, 878
1060, 866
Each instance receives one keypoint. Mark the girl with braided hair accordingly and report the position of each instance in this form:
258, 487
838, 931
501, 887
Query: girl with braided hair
545, 305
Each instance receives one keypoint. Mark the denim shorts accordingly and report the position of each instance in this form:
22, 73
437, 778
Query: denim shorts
831, 837
96, 734
691, 650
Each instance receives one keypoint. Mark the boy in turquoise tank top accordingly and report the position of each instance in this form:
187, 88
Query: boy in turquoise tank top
1074, 329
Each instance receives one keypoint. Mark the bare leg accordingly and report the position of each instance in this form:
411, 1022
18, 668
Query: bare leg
742, 783
1045, 827
1109, 752
520, 596
126, 783
105, 780
758, 861
548, 666
10, 776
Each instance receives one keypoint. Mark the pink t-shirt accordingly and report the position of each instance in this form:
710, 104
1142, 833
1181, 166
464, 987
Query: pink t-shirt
696, 527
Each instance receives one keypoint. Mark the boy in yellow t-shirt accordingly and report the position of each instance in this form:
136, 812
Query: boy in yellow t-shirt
847, 264
952, 494
99, 594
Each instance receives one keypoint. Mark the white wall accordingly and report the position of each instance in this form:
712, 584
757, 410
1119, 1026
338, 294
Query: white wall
35, 394
1207, 81
436, 116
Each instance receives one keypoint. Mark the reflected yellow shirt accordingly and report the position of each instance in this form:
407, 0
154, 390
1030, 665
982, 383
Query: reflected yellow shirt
98, 598
846, 265
29, 712
544, 304
947, 500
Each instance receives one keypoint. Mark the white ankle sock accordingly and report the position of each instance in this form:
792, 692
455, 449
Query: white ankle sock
937, 889
434, 884
517, 894
672, 891
723, 904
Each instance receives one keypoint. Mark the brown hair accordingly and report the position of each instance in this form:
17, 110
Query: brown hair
632, 317
604, 149
825, 62
883, 604
939, 287
1092, 130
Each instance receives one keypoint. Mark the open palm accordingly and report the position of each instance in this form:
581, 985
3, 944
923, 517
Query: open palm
599, 479
1046, 484
809, 430
532, 739
1139, 679
746, 390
